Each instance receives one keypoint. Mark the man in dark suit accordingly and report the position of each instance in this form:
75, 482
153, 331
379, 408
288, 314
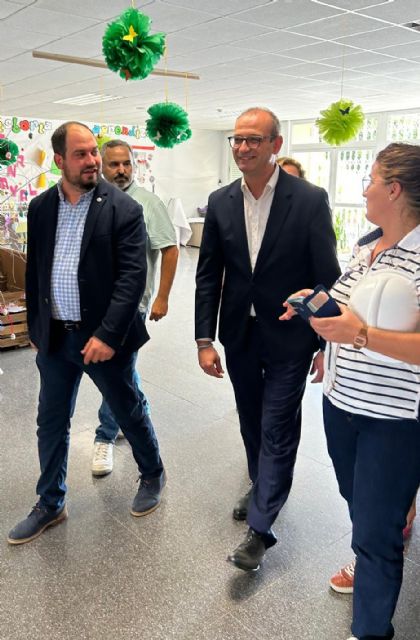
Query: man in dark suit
86, 272
264, 237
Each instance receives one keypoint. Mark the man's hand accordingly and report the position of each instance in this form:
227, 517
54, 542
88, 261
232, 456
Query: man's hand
159, 309
317, 369
96, 351
167, 275
209, 361
290, 312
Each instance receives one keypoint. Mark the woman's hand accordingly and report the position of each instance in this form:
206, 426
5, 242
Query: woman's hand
342, 329
290, 312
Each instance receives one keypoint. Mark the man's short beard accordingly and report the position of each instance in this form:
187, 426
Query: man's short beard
88, 186
126, 185
82, 186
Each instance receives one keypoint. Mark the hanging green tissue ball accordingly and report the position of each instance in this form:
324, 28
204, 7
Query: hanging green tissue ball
341, 122
9, 152
168, 124
127, 47
101, 140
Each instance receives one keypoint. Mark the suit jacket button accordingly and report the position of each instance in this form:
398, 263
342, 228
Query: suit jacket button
46, 300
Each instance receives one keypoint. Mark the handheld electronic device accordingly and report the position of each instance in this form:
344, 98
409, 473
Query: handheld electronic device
319, 304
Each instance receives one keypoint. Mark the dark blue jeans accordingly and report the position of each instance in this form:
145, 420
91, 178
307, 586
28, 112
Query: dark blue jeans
268, 395
377, 464
108, 426
60, 373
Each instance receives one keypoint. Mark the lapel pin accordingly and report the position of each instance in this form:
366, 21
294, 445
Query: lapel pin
99, 199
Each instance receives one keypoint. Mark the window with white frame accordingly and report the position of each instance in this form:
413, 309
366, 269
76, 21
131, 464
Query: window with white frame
340, 170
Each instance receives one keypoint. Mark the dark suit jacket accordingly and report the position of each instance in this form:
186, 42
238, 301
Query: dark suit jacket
112, 268
298, 251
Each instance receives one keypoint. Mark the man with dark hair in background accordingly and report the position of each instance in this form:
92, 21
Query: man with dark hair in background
118, 169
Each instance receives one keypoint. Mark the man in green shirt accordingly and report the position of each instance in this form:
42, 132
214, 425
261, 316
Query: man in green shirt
117, 168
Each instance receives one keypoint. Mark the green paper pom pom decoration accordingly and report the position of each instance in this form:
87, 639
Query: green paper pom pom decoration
129, 49
9, 152
341, 122
101, 140
168, 124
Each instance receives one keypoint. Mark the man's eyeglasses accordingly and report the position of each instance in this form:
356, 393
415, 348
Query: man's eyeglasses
252, 142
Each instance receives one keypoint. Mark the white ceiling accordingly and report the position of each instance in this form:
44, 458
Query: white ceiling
288, 55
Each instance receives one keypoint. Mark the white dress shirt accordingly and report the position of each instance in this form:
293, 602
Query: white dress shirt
256, 216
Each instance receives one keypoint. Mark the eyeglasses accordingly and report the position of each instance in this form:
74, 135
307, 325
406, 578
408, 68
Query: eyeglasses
366, 182
252, 142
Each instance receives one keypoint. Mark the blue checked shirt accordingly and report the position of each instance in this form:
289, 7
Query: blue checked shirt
65, 298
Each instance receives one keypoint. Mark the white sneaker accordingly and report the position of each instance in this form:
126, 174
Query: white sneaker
102, 461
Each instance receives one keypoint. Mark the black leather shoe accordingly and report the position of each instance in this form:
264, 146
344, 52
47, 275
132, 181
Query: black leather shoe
251, 551
240, 510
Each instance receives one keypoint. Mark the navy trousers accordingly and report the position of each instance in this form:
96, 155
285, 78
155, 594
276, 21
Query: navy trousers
268, 395
60, 372
377, 464
108, 427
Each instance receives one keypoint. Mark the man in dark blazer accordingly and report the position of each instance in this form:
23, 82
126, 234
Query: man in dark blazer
86, 272
264, 237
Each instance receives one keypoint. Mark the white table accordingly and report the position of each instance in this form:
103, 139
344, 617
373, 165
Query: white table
179, 220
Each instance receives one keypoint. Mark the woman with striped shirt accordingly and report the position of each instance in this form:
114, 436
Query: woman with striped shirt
372, 385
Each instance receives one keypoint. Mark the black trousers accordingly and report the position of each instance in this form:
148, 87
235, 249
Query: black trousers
268, 395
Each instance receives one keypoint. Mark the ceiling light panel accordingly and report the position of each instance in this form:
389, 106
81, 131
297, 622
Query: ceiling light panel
87, 98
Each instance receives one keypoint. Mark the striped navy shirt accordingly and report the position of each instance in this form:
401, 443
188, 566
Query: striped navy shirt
65, 298
354, 381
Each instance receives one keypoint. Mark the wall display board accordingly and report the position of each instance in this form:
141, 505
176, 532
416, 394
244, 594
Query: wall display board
189, 172
35, 169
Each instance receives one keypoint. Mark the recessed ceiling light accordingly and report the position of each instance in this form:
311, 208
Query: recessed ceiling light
87, 98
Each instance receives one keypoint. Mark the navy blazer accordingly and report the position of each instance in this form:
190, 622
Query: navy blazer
112, 268
298, 250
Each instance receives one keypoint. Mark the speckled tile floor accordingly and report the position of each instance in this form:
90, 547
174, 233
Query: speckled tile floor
104, 575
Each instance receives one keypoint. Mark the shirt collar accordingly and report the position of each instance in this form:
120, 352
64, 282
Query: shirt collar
84, 196
270, 186
412, 240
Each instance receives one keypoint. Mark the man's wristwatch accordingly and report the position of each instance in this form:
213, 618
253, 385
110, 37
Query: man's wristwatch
361, 339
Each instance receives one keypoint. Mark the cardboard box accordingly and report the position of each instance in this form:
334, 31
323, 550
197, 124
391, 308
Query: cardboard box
13, 266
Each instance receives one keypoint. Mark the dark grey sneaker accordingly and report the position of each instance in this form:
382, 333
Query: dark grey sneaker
148, 496
37, 521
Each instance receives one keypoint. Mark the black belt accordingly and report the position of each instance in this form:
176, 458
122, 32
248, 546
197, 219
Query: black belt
68, 325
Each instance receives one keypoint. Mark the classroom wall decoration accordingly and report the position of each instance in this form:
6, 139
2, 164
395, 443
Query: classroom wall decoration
34, 169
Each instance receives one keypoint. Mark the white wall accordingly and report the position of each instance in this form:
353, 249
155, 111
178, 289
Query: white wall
190, 171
